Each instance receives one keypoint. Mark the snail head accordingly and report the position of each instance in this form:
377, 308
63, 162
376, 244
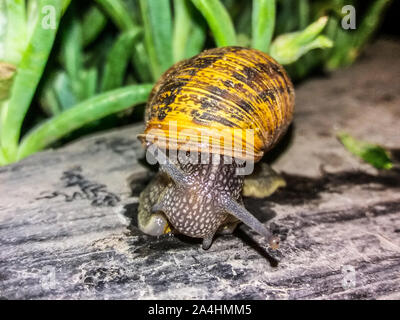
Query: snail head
201, 199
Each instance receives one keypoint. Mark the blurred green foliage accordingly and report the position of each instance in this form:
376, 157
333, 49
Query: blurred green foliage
373, 154
66, 65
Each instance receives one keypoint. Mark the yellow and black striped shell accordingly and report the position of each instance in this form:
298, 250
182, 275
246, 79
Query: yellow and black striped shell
210, 101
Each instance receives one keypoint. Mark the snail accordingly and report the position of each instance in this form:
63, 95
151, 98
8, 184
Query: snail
196, 123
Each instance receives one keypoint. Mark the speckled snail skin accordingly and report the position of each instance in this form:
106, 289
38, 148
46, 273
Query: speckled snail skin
214, 93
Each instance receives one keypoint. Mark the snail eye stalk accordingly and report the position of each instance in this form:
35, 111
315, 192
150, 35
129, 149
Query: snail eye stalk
238, 211
167, 166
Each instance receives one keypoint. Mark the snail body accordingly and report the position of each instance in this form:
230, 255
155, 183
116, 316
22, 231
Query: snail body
208, 117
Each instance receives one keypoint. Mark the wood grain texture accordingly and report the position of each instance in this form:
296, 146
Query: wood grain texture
67, 216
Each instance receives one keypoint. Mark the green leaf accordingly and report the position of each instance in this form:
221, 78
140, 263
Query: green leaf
243, 23
28, 74
369, 24
286, 16
83, 113
370, 153
16, 37
182, 29
304, 13
49, 101
63, 90
33, 16
158, 34
3, 160
93, 24
313, 30
218, 20
349, 43
196, 40
118, 13
263, 23
89, 83
72, 50
3, 28
189, 32
118, 59
289, 47
140, 61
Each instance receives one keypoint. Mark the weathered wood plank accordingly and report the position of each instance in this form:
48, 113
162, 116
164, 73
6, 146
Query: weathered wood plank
67, 227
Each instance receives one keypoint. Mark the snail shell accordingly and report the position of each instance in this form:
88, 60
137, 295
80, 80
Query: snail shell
215, 93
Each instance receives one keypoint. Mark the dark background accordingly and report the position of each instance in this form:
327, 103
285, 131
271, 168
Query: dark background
391, 25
